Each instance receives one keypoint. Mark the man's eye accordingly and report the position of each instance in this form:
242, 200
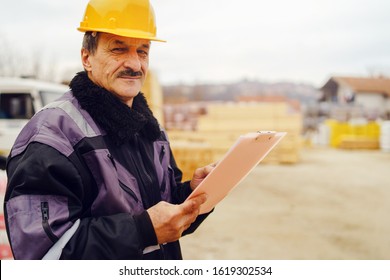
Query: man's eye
118, 50
143, 53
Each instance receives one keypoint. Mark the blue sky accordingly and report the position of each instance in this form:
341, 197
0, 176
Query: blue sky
223, 41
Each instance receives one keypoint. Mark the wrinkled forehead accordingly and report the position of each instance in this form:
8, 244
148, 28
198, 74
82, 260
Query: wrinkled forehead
112, 39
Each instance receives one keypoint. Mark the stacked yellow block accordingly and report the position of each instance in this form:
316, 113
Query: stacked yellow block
191, 155
225, 122
354, 135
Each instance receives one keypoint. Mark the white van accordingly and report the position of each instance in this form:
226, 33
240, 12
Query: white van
19, 100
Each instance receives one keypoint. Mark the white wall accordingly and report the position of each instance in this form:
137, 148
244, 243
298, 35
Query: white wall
371, 100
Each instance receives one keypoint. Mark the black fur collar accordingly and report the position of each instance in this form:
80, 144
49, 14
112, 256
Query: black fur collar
119, 121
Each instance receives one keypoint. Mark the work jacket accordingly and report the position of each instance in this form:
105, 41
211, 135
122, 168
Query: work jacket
81, 175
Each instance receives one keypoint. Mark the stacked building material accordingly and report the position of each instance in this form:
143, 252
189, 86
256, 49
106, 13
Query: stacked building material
355, 134
219, 128
191, 155
224, 122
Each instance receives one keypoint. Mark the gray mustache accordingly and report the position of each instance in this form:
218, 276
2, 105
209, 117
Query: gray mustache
130, 73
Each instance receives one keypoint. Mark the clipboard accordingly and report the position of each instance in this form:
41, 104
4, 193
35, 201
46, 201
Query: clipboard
247, 152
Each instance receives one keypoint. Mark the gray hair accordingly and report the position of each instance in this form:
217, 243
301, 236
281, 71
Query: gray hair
90, 41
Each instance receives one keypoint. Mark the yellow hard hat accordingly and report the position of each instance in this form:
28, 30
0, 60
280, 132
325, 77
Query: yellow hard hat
127, 18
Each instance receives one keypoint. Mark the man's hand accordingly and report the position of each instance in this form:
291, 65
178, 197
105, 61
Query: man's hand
169, 220
200, 174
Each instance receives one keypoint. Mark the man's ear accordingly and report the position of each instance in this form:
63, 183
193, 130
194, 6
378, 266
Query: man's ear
85, 56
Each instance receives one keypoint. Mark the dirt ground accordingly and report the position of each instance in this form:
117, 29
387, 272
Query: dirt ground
333, 204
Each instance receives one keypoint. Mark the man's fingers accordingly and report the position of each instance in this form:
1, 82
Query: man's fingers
204, 171
200, 174
169, 220
194, 203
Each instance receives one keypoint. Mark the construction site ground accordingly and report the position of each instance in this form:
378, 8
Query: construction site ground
332, 204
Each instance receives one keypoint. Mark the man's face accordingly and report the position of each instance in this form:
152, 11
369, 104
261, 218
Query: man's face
119, 65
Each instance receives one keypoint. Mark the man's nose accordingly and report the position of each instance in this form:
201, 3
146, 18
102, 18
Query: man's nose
132, 61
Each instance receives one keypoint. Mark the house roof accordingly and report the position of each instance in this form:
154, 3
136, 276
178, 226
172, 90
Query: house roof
366, 85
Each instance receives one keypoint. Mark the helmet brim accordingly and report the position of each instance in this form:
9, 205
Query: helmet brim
124, 33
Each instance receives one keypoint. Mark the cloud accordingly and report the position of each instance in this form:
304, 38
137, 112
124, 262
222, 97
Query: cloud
219, 40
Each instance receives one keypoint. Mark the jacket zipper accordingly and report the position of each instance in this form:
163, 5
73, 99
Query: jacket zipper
112, 160
146, 175
162, 153
128, 190
163, 183
145, 178
45, 222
